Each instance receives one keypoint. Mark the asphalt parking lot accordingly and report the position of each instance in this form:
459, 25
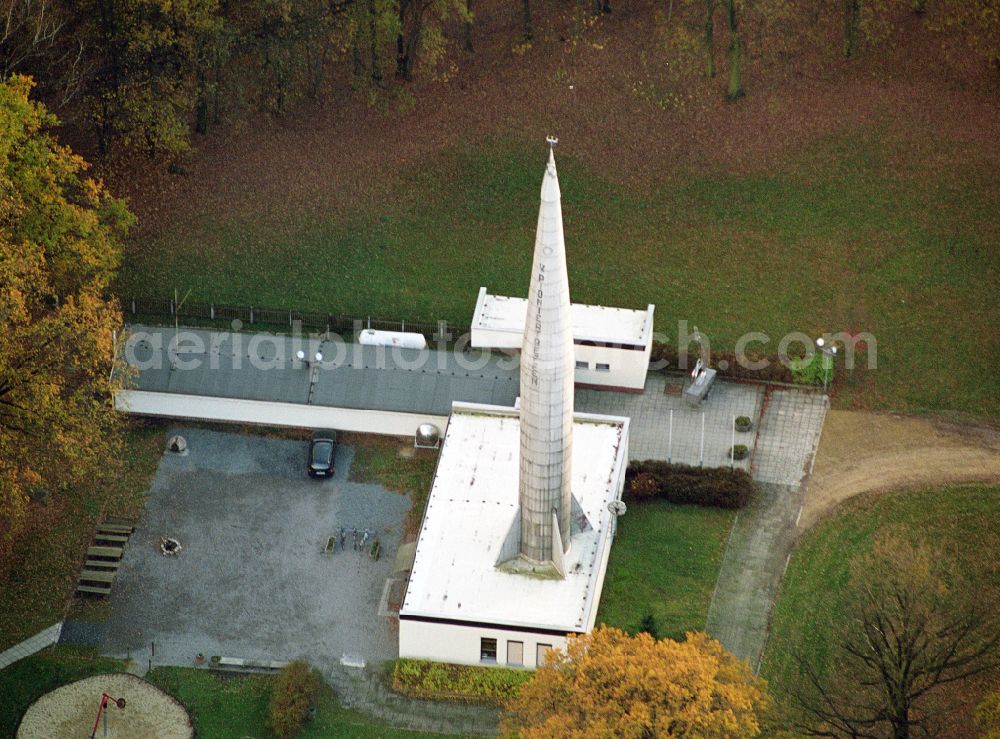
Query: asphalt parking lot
252, 579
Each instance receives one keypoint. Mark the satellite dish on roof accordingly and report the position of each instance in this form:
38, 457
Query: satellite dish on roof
428, 436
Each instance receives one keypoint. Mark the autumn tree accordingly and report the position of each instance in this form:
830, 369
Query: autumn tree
421, 29
60, 244
608, 683
731, 9
910, 630
988, 715
967, 28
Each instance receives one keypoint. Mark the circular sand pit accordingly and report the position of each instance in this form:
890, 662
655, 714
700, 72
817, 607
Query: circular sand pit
70, 711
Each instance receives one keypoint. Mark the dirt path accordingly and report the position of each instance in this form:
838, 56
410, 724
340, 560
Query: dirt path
867, 452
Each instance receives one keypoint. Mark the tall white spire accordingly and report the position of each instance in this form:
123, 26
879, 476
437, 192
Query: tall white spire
547, 373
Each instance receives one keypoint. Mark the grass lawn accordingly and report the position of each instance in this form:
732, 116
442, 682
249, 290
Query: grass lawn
664, 562
236, 706
38, 579
377, 460
962, 522
857, 231
26, 680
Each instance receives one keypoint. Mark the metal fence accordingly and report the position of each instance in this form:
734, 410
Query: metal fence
251, 315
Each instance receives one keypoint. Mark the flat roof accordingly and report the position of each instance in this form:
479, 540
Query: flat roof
262, 367
597, 323
472, 504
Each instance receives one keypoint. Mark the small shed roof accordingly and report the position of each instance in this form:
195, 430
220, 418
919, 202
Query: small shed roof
591, 323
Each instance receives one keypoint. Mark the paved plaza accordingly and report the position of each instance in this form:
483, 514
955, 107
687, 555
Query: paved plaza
664, 426
252, 580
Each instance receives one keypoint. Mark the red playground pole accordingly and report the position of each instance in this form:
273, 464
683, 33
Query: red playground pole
120, 702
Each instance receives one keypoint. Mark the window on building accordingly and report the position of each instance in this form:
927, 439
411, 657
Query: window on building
540, 651
603, 367
515, 653
487, 650
580, 364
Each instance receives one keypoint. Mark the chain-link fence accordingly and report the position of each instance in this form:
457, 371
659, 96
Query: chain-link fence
197, 313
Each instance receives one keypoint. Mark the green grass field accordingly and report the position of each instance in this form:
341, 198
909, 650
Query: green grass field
812, 595
23, 682
230, 706
48, 556
377, 460
855, 233
665, 561
236, 706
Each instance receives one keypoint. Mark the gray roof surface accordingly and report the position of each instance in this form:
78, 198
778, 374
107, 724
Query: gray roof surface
263, 367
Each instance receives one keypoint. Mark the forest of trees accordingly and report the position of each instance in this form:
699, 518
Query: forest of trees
146, 75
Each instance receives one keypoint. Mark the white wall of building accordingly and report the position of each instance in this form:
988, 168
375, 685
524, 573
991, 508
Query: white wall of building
609, 366
461, 644
607, 541
269, 413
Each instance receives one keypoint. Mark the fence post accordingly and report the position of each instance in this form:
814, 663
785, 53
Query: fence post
133, 306
251, 314
171, 306
701, 460
289, 319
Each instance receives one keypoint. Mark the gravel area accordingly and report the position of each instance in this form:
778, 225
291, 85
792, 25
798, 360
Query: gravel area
70, 711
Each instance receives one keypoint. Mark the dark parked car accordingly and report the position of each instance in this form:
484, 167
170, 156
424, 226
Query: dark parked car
322, 451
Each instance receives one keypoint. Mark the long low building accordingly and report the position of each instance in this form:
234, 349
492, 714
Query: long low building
258, 378
459, 605
611, 345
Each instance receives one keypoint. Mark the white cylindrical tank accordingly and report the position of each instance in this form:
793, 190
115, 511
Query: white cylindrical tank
371, 337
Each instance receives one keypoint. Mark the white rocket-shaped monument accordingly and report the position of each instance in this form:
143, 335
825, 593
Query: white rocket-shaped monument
547, 374
514, 545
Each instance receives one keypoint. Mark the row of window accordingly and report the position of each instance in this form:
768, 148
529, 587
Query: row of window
515, 652
599, 367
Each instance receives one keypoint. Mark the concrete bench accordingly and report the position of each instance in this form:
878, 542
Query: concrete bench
237, 663
110, 552
91, 564
112, 538
115, 528
97, 576
94, 589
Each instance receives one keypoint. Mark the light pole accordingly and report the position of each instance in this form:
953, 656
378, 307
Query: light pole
829, 354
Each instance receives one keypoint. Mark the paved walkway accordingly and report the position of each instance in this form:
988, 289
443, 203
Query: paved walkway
45, 638
365, 691
664, 426
764, 533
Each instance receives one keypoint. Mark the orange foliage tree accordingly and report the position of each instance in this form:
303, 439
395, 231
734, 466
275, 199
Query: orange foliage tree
59, 248
609, 683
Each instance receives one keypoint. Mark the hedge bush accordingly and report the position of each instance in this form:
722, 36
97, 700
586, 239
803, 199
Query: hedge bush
679, 483
294, 693
775, 371
424, 679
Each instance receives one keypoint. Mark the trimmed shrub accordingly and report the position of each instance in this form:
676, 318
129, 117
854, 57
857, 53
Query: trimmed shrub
679, 483
425, 679
775, 371
644, 485
740, 451
743, 423
293, 694
649, 626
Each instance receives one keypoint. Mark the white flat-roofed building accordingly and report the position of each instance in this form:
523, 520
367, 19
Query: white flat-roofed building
611, 345
460, 606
